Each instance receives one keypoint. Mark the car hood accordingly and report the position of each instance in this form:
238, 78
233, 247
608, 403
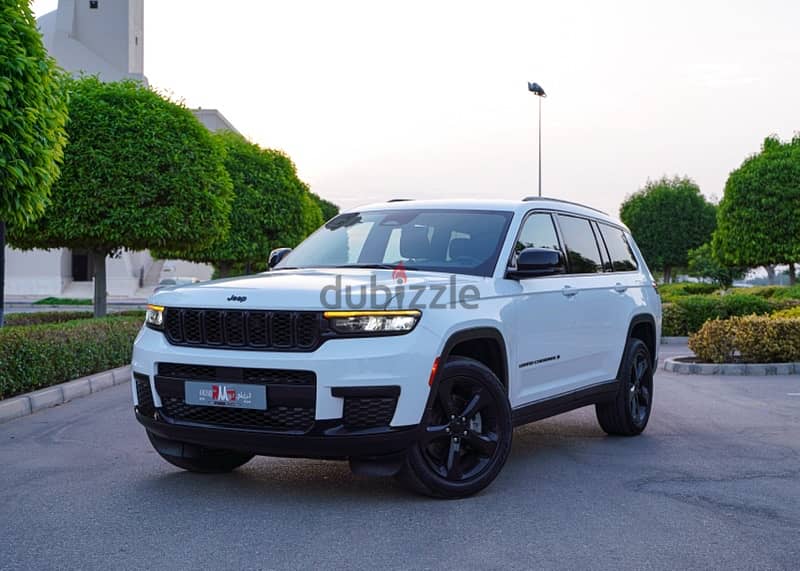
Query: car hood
305, 289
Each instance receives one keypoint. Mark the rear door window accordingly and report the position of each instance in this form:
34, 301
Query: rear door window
582, 250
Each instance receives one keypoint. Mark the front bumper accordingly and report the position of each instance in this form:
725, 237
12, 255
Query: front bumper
403, 361
327, 439
350, 376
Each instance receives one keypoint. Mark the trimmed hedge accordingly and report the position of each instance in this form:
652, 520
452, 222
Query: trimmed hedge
37, 356
62, 301
751, 339
41, 317
775, 292
790, 312
687, 314
669, 292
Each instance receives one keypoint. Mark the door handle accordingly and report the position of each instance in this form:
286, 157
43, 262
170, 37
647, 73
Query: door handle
619, 288
569, 291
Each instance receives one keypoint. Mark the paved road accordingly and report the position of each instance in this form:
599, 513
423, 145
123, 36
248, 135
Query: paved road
713, 483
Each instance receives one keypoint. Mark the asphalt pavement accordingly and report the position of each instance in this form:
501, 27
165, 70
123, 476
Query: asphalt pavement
714, 483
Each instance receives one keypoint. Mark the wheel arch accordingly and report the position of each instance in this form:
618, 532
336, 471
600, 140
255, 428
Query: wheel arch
484, 344
643, 327
463, 338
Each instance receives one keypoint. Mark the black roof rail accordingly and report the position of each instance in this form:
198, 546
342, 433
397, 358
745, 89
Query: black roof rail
399, 200
534, 198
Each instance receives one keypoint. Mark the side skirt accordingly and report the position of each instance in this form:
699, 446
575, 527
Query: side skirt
566, 402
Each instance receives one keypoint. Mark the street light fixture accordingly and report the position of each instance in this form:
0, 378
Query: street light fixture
537, 90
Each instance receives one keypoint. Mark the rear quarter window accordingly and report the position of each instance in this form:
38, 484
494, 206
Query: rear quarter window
622, 258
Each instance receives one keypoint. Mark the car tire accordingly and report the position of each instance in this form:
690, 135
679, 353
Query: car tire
466, 435
629, 412
198, 458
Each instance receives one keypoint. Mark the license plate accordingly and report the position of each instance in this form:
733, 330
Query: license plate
232, 395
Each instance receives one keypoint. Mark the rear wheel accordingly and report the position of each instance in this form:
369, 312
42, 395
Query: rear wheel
466, 438
628, 413
198, 458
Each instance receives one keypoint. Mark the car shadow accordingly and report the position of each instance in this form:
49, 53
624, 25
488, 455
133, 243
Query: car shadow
275, 481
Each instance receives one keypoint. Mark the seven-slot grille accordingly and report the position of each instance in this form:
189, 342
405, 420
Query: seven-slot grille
243, 329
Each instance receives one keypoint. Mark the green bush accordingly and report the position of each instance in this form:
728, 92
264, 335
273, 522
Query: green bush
762, 291
673, 322
36, 356
62, 301
669, 292
737, 304
699, 309
41, 317
688, 313
790, 312
715, 342
787, 293
751, 339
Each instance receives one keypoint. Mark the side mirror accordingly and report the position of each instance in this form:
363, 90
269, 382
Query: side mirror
276, 255
537, 262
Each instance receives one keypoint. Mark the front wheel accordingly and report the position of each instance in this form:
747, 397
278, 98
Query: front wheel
466, 437
198, 458
628, 413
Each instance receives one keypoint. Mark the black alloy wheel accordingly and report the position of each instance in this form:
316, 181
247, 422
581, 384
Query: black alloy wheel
467, 434
628, 413
640, 386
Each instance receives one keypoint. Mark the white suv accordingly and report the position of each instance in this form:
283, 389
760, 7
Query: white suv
407, 337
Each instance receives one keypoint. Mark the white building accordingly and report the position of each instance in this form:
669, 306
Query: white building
106, 38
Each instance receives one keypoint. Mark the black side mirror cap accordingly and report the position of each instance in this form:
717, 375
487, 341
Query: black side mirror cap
276, 255
537, 262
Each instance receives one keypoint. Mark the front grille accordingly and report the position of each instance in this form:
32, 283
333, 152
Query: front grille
368, 412
274, 418
144, 395
243, 329
239, 375
291, 396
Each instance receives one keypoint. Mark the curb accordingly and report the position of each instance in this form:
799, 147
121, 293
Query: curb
673, 365
23, 405
674, 340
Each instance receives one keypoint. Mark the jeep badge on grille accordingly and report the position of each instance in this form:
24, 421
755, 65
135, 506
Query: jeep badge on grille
239, 298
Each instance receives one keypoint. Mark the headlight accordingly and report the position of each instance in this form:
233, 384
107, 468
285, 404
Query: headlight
154, 318
373, 322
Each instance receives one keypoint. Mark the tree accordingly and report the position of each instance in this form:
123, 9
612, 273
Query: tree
139, 172
271, 208
32, 116
703, 264
312, 214
759, 215
668, 217
328, 208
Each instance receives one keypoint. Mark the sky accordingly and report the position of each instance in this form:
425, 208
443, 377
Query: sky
377, 100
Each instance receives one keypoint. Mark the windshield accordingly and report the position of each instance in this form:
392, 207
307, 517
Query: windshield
456, 241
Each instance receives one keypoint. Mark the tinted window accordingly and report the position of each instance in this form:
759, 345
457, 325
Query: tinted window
582, 250
458, 241
538, 232
622, 258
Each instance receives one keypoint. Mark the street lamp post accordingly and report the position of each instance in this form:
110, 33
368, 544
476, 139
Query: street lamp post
537, 90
